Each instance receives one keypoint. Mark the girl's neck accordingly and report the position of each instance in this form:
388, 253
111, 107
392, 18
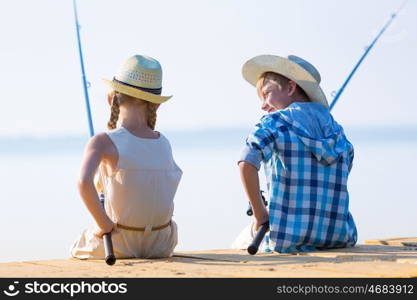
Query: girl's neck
138, 126
133, 116
133, 125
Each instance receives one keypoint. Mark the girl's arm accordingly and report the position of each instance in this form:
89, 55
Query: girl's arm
250, 180
92, 157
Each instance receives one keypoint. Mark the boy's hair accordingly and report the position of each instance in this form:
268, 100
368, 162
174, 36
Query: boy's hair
119, 98
281, 82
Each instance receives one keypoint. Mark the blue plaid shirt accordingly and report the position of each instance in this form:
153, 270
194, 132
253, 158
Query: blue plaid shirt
307, 160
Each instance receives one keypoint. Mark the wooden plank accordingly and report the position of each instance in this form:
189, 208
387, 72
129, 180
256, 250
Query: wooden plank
359, 261
404, 241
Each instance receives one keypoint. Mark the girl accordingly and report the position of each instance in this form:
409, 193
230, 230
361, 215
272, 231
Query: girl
136, 171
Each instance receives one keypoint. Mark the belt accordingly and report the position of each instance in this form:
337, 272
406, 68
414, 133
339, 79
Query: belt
142, 228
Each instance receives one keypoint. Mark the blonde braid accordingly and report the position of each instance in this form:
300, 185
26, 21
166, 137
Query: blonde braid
151, 108
114, 115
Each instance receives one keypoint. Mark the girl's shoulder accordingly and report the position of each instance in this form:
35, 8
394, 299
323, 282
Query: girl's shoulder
115, 131
122, 138
164, 140
100, 142
97, 140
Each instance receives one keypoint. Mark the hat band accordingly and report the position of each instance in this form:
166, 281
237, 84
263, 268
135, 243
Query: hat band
153, 91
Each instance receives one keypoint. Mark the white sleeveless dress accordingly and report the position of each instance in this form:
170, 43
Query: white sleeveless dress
139, 193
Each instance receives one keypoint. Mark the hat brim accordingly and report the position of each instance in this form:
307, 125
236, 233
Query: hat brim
254, 68
136, 93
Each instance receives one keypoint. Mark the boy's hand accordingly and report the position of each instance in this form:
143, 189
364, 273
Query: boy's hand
261, 218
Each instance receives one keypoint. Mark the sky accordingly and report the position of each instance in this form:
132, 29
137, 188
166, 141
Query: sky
202, 46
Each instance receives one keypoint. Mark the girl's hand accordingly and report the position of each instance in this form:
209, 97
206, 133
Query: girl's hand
99, 232
261, 217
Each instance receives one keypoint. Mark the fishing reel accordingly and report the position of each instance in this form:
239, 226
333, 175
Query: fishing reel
249, 211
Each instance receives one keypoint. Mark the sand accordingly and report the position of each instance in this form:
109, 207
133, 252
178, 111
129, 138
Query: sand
376, 259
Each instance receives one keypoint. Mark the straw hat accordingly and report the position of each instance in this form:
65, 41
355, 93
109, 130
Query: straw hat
293, 67
139, 76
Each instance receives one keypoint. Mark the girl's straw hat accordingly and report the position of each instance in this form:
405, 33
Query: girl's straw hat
293, 67
140, 77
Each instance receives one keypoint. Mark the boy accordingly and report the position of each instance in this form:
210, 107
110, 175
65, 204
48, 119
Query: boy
306, 158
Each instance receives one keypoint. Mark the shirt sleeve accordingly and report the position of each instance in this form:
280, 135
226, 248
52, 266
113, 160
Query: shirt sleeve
351, 156
259, 147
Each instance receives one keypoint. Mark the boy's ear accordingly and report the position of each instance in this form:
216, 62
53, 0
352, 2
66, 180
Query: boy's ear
292, 87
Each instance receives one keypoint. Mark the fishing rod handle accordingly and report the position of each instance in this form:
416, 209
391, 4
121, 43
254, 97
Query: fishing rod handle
254, 246
249, 211
108, 249
108, 244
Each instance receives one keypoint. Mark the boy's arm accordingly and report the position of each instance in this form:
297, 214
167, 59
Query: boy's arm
250, 180
91, 161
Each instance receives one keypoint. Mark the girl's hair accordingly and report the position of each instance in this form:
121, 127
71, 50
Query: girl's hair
151, 110
119, 98
115, 110
280, 80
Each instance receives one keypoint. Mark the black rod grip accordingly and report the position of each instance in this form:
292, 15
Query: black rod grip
254, 246
108, 249
249, 211
108, 245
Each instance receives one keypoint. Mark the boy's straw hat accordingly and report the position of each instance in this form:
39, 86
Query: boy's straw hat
139, 76
293, 67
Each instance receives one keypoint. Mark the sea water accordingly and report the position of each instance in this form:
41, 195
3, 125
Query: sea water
42, 212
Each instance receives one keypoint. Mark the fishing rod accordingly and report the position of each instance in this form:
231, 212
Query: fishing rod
340, 91
262, 230
253, 247
108, 245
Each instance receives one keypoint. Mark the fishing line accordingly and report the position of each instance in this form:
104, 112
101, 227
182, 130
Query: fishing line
340, 91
